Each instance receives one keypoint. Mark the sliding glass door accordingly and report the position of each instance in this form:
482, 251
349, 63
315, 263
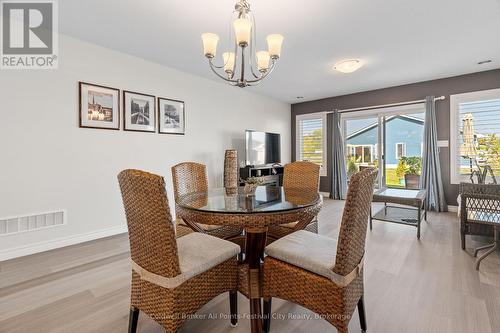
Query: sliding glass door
361, 136
390, 139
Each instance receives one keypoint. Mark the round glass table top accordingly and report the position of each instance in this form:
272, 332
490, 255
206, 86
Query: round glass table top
236, 201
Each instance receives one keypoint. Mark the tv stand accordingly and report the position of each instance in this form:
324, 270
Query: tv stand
271, 174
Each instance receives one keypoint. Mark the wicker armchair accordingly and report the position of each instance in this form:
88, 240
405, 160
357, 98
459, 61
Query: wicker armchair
303, 176
190, 177
469, 190
171, 278
479, 209
320, 273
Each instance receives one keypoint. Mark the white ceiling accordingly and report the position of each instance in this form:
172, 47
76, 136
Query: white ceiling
401, 41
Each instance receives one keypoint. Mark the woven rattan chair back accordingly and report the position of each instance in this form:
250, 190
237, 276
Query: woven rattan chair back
352, 236
150, 228
301, 175
189, 177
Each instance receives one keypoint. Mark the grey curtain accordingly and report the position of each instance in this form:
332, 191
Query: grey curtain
338, 173
431, 167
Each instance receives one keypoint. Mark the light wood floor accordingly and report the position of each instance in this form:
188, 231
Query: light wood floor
411, 286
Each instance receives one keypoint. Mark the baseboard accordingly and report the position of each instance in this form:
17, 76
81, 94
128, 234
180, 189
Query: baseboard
52, 244
453, 209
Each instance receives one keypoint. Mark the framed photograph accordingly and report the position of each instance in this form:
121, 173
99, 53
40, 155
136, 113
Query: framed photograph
99, 106
139, 112
171, 116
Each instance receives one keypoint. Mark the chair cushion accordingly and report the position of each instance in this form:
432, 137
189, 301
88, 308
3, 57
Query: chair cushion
200, 252
197, 253
306, 250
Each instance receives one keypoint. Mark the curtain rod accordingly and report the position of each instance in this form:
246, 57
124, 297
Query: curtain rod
440, 98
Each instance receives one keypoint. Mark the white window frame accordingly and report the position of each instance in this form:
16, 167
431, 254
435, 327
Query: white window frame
455, 100
403, 152
323, 172
372, 154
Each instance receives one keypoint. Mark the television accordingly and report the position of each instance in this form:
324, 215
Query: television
262, 148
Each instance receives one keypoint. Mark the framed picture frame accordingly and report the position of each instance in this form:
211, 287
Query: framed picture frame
99, 106
171, 116
139, 112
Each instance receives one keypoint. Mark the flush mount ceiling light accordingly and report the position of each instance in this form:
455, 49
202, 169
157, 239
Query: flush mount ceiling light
348, 66
252, 66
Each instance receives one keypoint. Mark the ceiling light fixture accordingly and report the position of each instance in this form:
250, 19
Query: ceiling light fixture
259, 64
348, 66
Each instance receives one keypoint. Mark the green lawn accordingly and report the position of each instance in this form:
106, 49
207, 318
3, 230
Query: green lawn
391, 179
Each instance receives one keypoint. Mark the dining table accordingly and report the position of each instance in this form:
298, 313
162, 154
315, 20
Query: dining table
254, 212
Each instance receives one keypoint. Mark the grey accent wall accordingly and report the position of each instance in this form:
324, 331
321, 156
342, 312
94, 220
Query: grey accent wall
448, 86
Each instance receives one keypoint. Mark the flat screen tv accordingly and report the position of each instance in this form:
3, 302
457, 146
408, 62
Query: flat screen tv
262, 148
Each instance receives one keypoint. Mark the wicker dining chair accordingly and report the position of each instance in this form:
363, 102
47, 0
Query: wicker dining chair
299, 175
478, 198
320, 273
190, 177
171, 277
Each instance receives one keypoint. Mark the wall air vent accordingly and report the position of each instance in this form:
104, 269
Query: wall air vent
25, 223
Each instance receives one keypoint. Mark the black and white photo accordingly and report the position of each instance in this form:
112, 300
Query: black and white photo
139, 112
171, 116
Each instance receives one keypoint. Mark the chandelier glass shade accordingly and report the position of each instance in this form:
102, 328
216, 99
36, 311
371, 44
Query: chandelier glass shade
243, 65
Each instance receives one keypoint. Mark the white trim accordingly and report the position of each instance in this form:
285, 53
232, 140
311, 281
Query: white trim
307, 116
455, 100
453, 209
60, 242
371, 147
404, 149
325, 194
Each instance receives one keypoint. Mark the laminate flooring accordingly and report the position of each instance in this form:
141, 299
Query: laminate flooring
410, 286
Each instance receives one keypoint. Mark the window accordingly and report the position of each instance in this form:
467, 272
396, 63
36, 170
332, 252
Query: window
363, 154
311, 139
475, 134
379, 137
400, 150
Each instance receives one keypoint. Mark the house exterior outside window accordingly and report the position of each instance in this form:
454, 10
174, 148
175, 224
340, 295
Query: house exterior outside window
405, 139
364, 154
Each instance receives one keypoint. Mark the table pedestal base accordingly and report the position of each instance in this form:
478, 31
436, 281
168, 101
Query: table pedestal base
254, 250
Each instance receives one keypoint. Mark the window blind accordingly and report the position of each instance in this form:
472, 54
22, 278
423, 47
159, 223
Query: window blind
483, 116
310, 140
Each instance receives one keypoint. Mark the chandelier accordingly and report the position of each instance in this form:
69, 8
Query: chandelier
244, 66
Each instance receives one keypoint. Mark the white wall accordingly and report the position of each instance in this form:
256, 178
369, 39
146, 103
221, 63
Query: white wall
47, 162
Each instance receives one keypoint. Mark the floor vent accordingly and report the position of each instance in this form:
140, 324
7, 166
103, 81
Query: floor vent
17, 224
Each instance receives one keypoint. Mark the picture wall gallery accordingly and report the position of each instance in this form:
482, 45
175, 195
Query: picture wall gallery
100, 108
